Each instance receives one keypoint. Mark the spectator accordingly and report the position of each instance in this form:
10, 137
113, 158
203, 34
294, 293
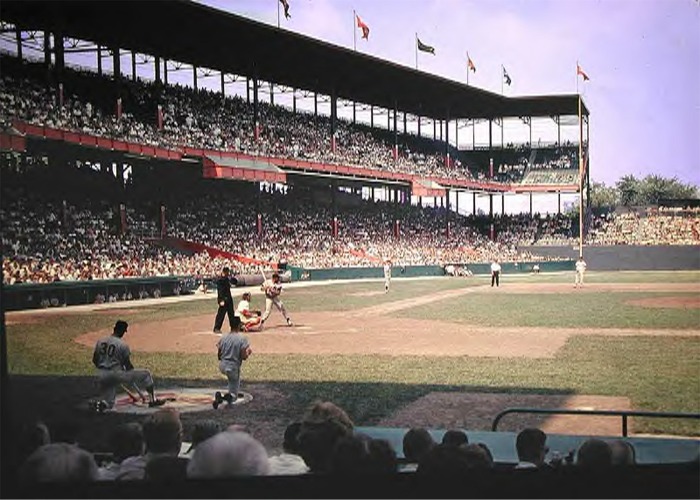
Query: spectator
594, 454
623, 452
416, 443
126, 440
455, 437
59, 462
290, 462
531, 448
228, 454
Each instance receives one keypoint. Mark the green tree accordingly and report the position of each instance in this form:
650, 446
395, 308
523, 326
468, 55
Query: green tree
654, 188
603, 198
628, 189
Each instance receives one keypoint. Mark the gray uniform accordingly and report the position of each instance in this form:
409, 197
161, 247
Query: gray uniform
230, 347
272, 296
111, 358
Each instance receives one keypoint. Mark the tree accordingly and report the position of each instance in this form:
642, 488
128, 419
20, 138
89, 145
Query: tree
604, 198
628, 189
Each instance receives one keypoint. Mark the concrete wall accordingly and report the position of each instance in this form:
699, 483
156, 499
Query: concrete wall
627, 257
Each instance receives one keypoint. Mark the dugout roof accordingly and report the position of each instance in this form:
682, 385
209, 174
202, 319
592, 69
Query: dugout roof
191, 33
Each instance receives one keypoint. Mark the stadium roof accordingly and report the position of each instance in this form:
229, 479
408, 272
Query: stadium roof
196, 34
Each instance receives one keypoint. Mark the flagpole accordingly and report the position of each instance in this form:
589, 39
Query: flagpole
354, 30
503, 75
580, 175
467, 67
416, 44
278, 14
577, 84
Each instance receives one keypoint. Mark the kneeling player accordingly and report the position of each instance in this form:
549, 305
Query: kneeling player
250, 320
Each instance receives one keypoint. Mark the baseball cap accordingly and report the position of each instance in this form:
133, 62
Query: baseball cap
203, 430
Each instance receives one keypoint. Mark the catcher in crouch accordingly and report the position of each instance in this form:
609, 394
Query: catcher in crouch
250, 319
273, 289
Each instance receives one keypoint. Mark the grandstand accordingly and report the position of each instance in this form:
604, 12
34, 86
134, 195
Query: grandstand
116, 188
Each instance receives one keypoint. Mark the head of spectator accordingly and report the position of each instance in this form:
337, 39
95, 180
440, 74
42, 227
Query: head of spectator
126, 441
416, 443
203, 430
478, 455
623, 452
530, 445
455, 437
317, 440
350, 455
325, 410
59, 462
444, 459
594, 454
228, 454
382, 457
32, 437
162, 432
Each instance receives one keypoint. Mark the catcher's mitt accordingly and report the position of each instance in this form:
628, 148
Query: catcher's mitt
258, 313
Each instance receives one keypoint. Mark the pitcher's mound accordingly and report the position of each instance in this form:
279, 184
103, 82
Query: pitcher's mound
183, 400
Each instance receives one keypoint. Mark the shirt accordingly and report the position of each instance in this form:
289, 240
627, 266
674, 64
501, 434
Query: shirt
580, 266
111, 353
230, 347
495, 267
243, 306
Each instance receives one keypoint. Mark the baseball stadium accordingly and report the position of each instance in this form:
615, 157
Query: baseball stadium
412, 269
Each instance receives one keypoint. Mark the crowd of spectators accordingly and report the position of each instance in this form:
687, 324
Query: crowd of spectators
650, 226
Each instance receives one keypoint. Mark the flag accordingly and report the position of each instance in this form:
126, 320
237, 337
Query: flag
425, 48
470, 64
119, 108
159, 117
506, 77
285, 4
363, 27
579, 71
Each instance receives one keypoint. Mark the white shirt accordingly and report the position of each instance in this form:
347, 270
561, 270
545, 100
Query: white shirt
580, 266
243, 305
495, 267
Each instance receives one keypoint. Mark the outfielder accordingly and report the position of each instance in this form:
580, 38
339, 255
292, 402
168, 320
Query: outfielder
273, 289
112, 360
387, 275
580, 271
250, 320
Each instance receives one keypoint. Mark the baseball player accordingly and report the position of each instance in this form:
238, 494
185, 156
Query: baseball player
232, 349
387, 275
111, 357
250, 320
223, 297
273, 289
495, 272
580, 271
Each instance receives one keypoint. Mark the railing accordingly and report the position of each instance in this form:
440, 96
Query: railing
607, 413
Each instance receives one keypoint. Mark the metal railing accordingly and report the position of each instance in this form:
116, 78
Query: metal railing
624, 414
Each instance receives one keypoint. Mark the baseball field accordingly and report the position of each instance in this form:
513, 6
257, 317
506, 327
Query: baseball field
435, 352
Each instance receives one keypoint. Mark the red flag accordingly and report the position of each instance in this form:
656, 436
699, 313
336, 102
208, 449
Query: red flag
159, 117
363, 27
119, 108
285, 4
579, 71
470, 64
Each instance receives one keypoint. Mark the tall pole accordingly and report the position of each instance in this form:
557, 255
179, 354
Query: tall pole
416, 44
467, 67
354, 31
278, 14
580, 172
503, 72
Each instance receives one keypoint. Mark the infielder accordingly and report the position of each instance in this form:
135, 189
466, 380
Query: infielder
111, 357
250, 320
580, 271
387, 275
232, 349
273, 289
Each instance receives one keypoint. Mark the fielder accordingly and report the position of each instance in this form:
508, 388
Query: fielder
250, 320
580, 271
112, 360
387, 275
273, 289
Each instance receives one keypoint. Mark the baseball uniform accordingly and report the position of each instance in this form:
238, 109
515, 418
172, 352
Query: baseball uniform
230, 350
495, 273
580, 271
272, 290
387, 276
248, 319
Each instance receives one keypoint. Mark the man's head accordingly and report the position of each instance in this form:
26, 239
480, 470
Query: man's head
455, 437
276, 278
120, 328
225, 271
594, 454
246, 296
162, 432
416, 443
530, 444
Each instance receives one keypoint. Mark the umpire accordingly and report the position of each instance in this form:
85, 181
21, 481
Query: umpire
223, 296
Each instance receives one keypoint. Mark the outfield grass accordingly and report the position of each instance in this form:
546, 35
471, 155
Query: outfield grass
656, 373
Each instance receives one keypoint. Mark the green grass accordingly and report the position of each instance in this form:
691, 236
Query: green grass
656, 373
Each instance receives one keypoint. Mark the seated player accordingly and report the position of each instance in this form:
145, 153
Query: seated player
251, 321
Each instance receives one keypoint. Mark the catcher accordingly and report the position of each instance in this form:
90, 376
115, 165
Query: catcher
273, 289
250, 319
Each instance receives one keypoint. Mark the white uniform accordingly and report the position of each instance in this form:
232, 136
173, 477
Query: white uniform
387, 276
580, 271
248, 319
272, 296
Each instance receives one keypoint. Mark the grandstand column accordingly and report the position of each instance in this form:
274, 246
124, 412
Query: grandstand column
156, 67
434, 129
447, 140
194, 77
59, 53
18, 38
396, 134
256, 124
558, 202
491, 206
388, 119
530, 203
47, 49
315, 103
334, 116
294, 101
503, 204
371, 116
223, 84
116, 64
99, 59
162, 221
247, 90
133, 65
457, 135
419, 126
272, 94
405, 129
440, 129
165, 71
558, 130
354, 113
474, 203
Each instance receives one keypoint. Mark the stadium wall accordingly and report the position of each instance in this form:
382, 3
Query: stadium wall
628, 257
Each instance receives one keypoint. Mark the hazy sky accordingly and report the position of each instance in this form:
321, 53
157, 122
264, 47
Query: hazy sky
643, 58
